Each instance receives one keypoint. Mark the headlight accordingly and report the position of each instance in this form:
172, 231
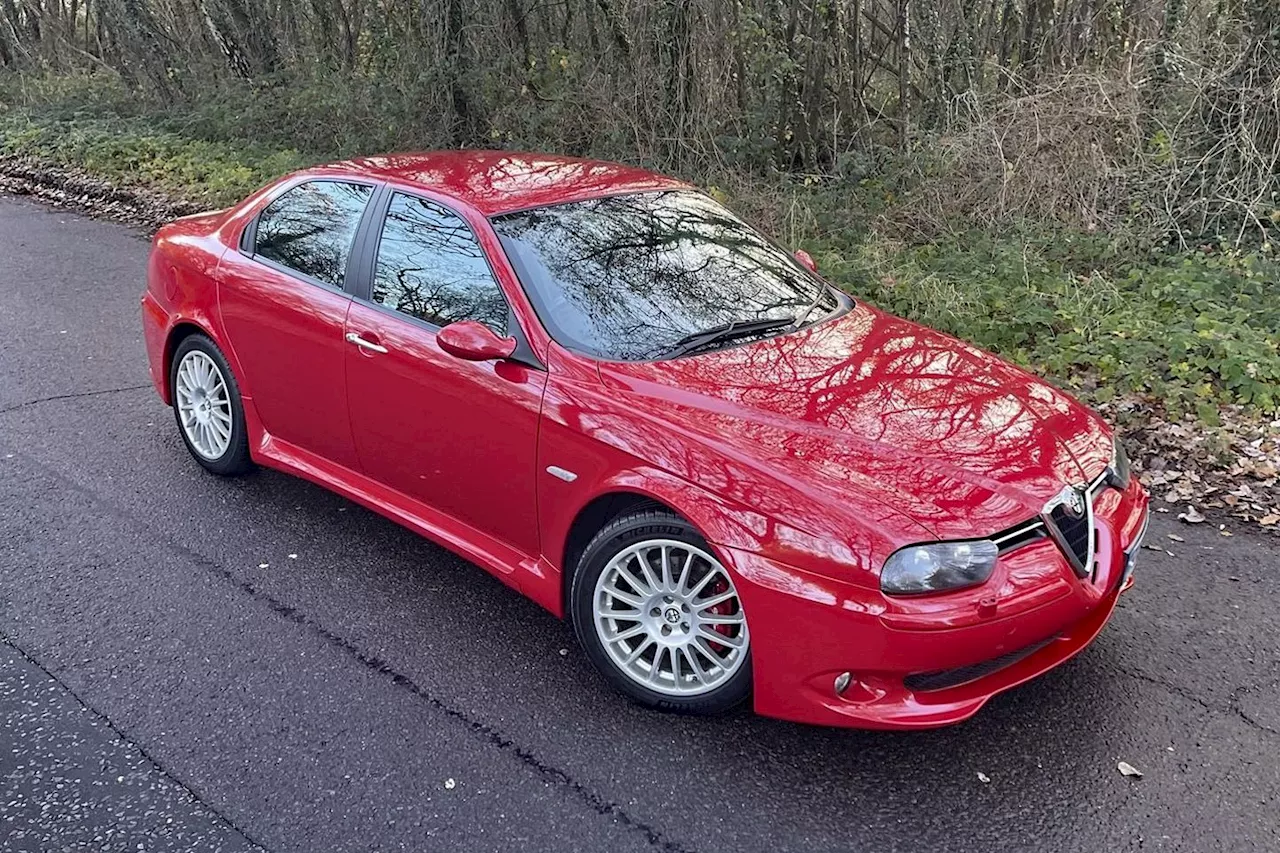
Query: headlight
1118, 470
938, 567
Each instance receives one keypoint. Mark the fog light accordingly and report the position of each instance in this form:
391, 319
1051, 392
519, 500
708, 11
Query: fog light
842, 682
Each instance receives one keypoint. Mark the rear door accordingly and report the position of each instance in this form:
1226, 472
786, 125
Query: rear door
459, 436
284, 307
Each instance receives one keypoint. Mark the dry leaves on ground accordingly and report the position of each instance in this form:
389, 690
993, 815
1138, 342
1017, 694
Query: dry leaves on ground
1233, 468
1127, 769
65, 187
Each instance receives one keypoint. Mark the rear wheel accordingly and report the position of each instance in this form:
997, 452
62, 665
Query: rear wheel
660, 616
206, 403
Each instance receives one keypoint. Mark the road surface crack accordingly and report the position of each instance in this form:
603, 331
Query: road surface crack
1174, 689
1237, 696
119, 733
29, 403
486, 732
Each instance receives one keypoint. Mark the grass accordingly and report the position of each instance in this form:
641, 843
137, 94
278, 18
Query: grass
1178, 332
130, 153
1184, 332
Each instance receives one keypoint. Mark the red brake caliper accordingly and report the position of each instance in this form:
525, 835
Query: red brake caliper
724, 608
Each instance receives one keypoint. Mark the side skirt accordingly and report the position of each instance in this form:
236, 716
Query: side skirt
535, 577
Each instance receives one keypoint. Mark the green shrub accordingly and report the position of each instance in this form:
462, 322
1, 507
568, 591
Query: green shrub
1189, 331
130, 151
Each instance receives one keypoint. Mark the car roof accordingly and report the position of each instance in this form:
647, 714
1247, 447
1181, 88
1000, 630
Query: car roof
497, 182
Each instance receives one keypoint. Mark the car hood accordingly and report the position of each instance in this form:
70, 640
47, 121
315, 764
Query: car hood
869, 410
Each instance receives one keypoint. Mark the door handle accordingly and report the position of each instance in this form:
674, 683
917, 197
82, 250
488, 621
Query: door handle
353, 338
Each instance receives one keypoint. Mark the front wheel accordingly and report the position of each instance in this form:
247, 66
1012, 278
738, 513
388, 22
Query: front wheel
206, 402
660, 617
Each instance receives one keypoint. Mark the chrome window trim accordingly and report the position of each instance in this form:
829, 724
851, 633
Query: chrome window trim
1033, 527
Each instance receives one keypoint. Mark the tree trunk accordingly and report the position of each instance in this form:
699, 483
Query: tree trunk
904, 73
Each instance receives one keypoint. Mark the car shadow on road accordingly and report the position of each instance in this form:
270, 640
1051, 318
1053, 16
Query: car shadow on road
451, 617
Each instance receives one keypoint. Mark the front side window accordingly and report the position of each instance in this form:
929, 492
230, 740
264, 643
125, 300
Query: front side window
647, 275
431, 266
310, 228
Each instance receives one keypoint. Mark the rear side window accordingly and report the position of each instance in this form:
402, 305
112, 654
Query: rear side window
310, 228
431, 266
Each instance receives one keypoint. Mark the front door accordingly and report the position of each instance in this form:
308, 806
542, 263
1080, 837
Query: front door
459, 436
284, 310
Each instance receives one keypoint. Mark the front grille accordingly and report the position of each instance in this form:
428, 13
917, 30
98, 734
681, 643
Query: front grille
1074, 532
1077, 533
923, 682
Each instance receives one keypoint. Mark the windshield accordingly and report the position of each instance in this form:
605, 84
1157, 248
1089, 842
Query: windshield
639, 276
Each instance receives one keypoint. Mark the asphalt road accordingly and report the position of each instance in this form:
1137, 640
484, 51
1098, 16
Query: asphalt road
172, 676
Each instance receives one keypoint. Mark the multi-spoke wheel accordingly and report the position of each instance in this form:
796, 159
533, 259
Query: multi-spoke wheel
660, 615
204, 406
207, 404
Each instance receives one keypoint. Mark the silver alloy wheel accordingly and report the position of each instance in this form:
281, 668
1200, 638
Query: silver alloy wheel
204, 404
669, 617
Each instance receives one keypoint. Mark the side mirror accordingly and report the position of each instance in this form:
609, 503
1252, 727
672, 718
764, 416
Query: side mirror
472, 341
806, 260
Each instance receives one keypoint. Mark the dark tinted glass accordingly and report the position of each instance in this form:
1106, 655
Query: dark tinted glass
310, 228
629, 276
431, 267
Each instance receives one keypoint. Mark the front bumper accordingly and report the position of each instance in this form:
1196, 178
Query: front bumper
807, 629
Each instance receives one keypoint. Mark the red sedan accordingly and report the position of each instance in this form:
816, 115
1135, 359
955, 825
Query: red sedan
607, 390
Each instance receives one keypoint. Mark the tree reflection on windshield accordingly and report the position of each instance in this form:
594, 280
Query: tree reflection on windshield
627, 277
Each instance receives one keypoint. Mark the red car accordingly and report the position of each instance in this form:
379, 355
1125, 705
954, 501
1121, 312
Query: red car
605, 389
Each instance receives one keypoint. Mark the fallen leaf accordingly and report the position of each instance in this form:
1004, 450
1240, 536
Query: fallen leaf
983, 777
1225, 533
1268, 520
1127, 769
1191, 516
1176, 538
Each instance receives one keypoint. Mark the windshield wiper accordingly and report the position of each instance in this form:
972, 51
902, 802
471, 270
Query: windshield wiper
804, 315
727, 332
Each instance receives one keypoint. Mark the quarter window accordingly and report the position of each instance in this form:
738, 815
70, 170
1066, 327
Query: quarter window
310, 228
431, 266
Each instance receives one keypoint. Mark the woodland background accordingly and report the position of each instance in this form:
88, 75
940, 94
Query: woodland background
1088, 187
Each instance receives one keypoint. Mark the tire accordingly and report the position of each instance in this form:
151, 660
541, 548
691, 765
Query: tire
206, 401
704, 666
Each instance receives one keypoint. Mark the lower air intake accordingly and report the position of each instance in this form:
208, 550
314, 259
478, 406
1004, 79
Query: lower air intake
923, 682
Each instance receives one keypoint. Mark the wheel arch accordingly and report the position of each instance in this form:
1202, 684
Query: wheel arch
715, 519
180, 331
591, 518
